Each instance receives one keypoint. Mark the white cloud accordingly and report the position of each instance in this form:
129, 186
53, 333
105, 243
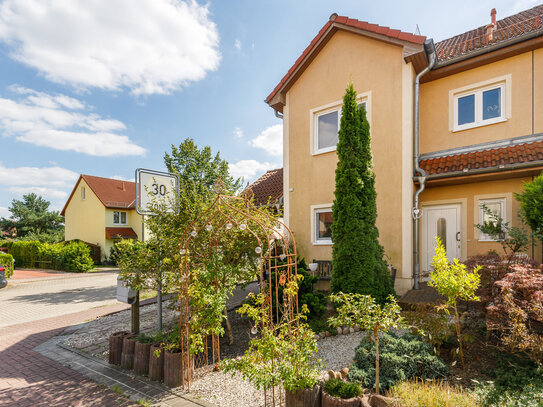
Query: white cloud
41, 191
238, 133
53, 177
249, 168
63, 123
4, 212
237, 45
151, 46
270, 140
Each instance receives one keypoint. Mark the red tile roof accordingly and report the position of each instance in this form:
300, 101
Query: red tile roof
121, 233
268, 188
338, 21
112, 193
520, 153
510, 27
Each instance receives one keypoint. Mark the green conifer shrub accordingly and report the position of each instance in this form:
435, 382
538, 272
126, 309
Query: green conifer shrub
358, 264
400, 358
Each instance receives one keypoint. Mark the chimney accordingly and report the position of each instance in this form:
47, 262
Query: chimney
492, 27
122, 186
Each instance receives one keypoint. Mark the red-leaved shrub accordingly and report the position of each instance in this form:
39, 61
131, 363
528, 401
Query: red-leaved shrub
515, 309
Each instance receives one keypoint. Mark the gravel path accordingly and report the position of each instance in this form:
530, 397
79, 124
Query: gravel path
222, 390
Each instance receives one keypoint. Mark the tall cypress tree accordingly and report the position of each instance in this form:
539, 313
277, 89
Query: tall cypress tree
357, 255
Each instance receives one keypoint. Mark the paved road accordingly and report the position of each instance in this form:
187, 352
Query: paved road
35, 307
28, 300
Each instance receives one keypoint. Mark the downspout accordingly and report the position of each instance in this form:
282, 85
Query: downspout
277, 114
417, 212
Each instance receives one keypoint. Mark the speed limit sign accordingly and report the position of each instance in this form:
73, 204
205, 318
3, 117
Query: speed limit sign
154, 187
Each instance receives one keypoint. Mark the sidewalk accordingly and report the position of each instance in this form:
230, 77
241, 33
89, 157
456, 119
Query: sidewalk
39, 370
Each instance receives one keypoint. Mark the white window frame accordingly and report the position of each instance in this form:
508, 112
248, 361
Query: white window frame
328, 108
120, 222
83, 194
483, 237
503, 83
315, 210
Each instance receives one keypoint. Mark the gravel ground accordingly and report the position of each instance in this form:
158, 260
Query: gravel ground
218, 388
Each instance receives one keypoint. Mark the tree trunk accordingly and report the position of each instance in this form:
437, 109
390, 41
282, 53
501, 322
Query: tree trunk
376, 334
331, 401
458, 333
228, 328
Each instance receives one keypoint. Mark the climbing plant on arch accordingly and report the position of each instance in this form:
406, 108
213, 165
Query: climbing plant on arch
232, 241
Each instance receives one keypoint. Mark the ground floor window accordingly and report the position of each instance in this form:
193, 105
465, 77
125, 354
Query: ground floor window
497, 206
322, 224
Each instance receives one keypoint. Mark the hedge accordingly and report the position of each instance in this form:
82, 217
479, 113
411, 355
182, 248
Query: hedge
6, 261
68, 256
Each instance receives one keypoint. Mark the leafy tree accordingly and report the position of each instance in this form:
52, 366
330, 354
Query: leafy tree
31, 217
453, 281
362, 311
531, 205
358, 261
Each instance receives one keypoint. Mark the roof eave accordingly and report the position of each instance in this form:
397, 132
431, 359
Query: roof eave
277, 99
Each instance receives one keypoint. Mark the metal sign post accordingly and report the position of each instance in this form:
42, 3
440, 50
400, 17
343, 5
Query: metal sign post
154, 187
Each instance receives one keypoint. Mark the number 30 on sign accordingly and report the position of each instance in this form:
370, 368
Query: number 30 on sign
153, 187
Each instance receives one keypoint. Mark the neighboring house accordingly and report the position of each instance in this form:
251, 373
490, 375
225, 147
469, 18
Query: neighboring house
101, 211
268, 190
481, 132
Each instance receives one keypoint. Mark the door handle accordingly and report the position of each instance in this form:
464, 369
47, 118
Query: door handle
457, 236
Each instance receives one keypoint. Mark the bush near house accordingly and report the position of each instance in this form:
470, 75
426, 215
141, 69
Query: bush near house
68, 256
515, 310
401, 358
6, 261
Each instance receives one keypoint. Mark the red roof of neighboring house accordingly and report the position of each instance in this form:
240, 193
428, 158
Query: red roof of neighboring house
112, 193
510, 27
520, 153
339, 21
268, 188
121, 233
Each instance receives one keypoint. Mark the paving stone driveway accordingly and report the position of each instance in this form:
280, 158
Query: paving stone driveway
29, 379
54, 295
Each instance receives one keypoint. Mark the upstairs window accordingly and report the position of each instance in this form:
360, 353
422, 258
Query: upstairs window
82, 193
479, 107
326, 122
119, 218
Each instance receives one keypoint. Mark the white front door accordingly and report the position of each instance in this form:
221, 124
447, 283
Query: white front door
441, 221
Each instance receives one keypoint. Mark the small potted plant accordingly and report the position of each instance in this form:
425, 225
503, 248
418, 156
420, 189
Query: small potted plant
337, 393
173, 360
142, 354
156, 359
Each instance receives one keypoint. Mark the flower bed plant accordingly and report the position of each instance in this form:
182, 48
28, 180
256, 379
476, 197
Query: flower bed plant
401, 358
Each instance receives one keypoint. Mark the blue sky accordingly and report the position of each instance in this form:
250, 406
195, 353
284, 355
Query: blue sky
105, 87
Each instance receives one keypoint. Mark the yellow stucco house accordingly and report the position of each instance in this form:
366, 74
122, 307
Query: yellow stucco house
454, 125
100, 211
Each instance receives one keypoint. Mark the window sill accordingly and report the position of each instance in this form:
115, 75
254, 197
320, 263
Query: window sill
324, 150
323, 243
479, 124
